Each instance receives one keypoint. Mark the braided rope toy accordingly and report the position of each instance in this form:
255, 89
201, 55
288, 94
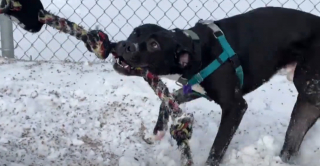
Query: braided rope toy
98, 42
95, 41
13, 5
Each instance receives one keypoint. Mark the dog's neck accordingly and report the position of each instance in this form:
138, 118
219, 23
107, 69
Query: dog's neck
196, 59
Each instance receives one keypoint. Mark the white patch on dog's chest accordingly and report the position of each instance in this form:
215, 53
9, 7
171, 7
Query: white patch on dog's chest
174, 77
198, 88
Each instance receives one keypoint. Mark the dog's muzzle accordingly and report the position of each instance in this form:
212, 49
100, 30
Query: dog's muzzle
126, 47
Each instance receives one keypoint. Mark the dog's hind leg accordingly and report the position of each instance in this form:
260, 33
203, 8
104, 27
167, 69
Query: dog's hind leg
306, 110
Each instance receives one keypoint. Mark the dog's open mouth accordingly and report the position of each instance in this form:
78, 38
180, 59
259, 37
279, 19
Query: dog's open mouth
121, 63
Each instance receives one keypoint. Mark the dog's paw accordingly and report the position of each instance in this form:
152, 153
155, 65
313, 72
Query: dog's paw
151, 138
286, 157
159, 135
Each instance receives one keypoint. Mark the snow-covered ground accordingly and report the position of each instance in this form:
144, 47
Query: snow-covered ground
56, 113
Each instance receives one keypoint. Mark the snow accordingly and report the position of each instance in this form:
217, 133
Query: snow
62, 113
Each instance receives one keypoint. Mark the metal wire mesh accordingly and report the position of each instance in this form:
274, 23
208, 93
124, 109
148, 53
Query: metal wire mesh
118, 17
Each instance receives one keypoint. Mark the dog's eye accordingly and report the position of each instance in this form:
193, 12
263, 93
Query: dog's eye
154, 45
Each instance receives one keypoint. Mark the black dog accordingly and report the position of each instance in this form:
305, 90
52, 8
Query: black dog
24, 13
265, 40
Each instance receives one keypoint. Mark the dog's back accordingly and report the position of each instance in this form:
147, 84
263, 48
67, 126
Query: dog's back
268, 39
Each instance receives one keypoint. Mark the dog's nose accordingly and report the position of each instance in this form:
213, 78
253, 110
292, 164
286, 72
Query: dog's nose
128, 47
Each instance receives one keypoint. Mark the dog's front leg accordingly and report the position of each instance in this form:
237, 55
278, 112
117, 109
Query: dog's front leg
233, 109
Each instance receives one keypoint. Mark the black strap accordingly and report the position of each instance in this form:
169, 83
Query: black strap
235, 61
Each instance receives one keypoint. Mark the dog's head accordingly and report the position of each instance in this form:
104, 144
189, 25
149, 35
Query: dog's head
156, 49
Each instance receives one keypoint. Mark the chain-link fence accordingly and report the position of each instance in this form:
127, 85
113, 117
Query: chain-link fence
118, 17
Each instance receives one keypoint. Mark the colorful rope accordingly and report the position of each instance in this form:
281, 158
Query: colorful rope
98, 42
181, 128
95, 41
13, 5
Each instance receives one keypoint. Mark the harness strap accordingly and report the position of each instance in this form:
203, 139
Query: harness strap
227, 54
197, 49
199, 77
191, 34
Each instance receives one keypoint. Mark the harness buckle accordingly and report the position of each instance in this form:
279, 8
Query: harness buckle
181, 81
235, 61
198, 77
218, 33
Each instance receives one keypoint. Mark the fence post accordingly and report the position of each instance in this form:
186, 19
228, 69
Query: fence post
7, 45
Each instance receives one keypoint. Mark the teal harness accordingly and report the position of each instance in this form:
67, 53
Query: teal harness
227, 54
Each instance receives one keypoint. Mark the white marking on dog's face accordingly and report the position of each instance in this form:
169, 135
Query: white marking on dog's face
136, 45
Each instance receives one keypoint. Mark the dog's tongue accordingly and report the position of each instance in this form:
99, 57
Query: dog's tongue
184, 59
